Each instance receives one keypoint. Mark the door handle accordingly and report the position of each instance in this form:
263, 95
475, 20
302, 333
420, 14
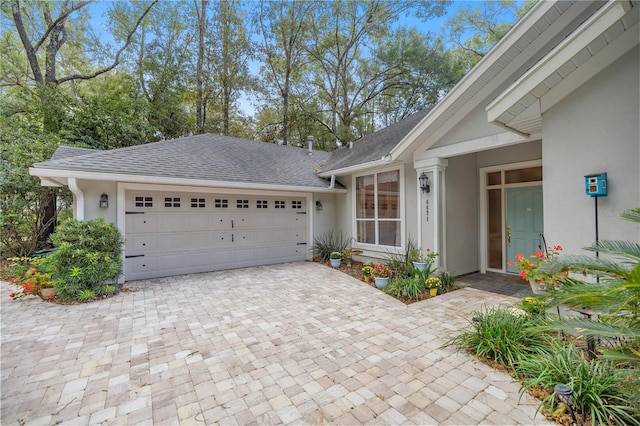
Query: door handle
232, 224
509, 236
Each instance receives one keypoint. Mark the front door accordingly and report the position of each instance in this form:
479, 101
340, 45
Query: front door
524, 222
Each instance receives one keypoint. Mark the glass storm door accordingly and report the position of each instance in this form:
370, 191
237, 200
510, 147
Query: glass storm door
524, 222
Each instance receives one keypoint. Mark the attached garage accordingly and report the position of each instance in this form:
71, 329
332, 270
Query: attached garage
200, 203
183, 232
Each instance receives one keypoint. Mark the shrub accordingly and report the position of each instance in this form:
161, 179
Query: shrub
597, 387
410, 287
86, 254
402, 263
534, 306
448, 281
328, 243
501, 334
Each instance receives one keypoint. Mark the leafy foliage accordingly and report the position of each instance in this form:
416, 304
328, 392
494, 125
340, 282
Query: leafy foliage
86, 255
411, 287
402, 263
597, 387
448, 281
501, 334
328, 243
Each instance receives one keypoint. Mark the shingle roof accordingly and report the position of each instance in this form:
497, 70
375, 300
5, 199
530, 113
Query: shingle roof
374, 146
201, 157
69, 151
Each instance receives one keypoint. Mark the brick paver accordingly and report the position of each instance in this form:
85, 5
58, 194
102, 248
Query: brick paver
286, 344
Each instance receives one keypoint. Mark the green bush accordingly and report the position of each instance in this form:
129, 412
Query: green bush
448, 282
598, 389
328, 243
411, 287
402, 263
86, 255
501, 334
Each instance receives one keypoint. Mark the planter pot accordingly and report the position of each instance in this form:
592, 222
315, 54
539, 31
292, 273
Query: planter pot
421, 266
537, 288
335, 262
367, 278
48, 293
381, 282
433, 292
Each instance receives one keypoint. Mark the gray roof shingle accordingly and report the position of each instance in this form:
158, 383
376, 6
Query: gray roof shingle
374, 146
202, 157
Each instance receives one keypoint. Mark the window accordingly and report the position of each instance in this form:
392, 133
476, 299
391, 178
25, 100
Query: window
262, 204
220, 203
144, 201
280, 204
296, 204
197, 203
378, 209
242, 204
171, 202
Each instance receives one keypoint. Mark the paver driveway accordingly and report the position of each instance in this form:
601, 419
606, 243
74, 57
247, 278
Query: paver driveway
295, 344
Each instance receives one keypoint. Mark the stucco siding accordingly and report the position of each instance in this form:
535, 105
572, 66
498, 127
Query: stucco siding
462, 232
92, 191
593, 130
473, 126
510, 154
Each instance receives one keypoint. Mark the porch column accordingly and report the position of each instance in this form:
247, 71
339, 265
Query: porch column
432, 208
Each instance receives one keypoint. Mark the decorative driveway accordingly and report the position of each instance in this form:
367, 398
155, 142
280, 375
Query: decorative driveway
296, 343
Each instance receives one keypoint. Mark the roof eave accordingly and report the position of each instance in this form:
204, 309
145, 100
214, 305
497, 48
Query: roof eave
536, 13
60, 176
355, 168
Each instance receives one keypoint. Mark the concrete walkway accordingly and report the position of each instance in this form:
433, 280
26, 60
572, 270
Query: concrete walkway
287, 344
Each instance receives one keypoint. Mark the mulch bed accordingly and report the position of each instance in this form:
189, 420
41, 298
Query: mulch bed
355, 270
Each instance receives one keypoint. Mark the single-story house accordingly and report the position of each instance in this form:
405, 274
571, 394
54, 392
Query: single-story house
510, 154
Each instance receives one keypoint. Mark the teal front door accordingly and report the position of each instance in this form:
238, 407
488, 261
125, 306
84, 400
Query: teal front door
524, 224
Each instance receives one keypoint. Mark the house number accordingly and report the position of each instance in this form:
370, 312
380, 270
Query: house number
427, 209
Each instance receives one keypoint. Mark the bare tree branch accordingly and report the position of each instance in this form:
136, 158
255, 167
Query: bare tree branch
116, 61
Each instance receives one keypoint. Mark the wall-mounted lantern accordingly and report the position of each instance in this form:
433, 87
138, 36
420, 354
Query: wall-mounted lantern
424, 183
318, 206
104, 201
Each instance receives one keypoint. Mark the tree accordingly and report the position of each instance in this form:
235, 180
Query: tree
488, 22
284, 27
201, 12
45, 36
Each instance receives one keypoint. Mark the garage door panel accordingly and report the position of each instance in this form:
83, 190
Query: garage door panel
207, 235
141, 222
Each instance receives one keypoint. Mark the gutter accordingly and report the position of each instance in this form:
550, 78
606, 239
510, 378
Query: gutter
79, 197
356, 168
112, 177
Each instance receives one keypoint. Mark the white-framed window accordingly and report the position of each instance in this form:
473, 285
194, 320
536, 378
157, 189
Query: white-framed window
172, 201
262, 204
143, 201
378, 215
198, 203
242, 204
280, 204
220, 203
295, 204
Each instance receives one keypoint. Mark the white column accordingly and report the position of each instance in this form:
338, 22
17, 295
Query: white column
432, 208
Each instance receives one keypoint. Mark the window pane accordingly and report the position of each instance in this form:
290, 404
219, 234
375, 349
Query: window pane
531, 174
366, 231
495, 228
389, 194
494, 178
365, 194
390, 233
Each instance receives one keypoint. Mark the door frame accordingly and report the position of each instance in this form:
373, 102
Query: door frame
484, 237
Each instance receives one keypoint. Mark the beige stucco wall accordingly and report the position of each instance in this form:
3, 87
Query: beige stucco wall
594, 130
92, 191
462, 215
473, 126
510, 154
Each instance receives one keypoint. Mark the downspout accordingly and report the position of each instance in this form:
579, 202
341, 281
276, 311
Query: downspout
79, 198
333, 182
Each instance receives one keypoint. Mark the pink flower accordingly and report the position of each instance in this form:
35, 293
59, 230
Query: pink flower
519, 257
509, 263
12, 295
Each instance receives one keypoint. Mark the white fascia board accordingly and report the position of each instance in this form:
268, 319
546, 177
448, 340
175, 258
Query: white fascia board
593, 27
519, 29
475, 145
357, 168
115, 177
45, 181
601, 60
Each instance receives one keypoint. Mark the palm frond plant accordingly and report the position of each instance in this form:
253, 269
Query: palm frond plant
329, 242
614, 296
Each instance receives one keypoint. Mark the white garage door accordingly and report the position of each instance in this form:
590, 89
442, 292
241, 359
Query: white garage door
179, 233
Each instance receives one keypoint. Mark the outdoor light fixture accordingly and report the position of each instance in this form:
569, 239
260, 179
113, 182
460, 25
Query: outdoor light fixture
565, 394
104, 201
318, 206
424, 182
